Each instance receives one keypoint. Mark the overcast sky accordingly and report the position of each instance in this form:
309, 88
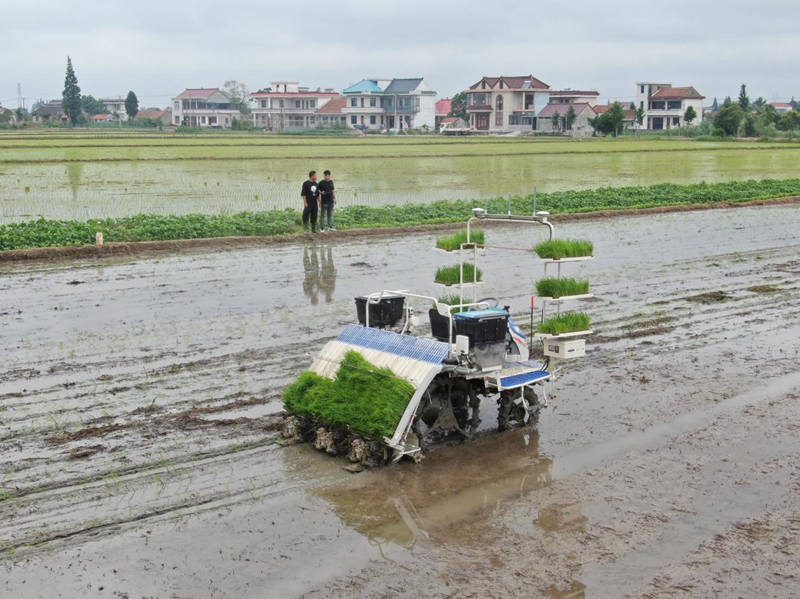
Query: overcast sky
158, 48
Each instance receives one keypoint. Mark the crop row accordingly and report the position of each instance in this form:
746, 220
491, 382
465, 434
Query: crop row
149, 227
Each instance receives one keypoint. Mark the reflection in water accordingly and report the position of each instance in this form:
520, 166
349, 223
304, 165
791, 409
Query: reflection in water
446, 497
74, 170
320, 273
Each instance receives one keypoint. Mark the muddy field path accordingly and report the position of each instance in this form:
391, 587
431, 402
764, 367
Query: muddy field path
139, 399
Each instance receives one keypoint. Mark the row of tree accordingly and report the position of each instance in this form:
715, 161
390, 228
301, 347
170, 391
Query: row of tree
76, 106
752, 119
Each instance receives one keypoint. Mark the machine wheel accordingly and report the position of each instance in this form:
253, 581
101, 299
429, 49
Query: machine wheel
511, 412
449, 405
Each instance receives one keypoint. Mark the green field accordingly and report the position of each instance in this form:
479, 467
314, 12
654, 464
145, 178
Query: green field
83, 175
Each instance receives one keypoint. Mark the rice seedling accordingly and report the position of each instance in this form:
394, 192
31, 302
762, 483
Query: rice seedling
561, 287
451, 275
569, 322
450, 300
453, 242
367, 399
556, 249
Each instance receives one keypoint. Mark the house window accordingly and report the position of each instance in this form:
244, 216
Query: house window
354, 119
353, 102
362, 101
657, 105
312, 103
263, 103
641, 89
676, 121
372, 120
372, 102
674, 105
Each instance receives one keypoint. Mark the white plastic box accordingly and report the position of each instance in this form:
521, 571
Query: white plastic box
565, 349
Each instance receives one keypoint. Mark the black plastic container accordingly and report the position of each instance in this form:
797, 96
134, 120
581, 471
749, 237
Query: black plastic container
383, 313
481, 326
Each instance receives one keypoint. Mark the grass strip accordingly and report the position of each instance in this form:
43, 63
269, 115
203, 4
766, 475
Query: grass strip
450, 275
453, 242
367, 399
556, 249
561, 287
569, 322
151, 227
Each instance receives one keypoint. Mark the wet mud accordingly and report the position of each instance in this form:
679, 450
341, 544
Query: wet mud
139, 452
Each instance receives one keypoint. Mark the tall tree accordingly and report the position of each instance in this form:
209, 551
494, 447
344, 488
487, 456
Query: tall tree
458, 107
610, 121
795, 105
639, 115
131, 105
689, 115
744, 101
714, 105
570, 118
727, 101
71, 96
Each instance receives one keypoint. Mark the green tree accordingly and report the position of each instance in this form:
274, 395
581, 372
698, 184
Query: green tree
728, 119
727, 101
744, 101
131, 105
795, 105
749, 126
714, 105
92, 105
458, 107
639, 116
610, 121
71, 96
555, 121
570, 118
689, 115
789, 121
759, 103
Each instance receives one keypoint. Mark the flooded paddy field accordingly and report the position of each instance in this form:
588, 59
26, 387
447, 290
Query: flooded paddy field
82, 177
139, 399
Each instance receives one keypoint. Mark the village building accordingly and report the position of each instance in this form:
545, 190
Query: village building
502, 104
572, 96
580, 126
115, 107
287, 106
394, 104
204, 107
665, 106
781, 107
330, 116
52, 111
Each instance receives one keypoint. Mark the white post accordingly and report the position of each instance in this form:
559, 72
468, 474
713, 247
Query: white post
98, 239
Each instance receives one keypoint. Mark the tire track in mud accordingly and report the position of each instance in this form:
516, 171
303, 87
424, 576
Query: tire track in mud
151, 467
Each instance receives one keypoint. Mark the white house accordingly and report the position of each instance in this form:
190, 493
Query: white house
288, 106
390, 104
664, 106
115, 107
204, 107
498, 104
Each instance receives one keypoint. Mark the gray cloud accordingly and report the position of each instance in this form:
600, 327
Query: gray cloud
159, 48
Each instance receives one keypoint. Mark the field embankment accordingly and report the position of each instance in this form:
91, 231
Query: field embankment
276, 223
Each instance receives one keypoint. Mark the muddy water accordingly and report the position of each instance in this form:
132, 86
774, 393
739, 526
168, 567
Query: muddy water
138, 400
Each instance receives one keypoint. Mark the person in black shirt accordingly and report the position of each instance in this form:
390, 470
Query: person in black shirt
310, 194
327, 200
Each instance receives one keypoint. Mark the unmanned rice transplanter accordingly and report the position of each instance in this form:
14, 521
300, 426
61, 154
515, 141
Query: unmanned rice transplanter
414, 369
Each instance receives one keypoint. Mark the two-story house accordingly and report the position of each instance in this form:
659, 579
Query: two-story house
115, 107
395, 104
288, 106
498, 104
665, 106
204, 107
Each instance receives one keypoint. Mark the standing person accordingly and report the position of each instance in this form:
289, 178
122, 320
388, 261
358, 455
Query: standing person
310, 194
327, 200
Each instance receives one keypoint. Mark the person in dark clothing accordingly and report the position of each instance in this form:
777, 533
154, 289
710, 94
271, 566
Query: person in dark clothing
327, 200
310, 195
